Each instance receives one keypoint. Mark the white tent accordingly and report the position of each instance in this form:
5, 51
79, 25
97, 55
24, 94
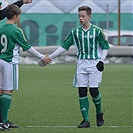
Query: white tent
95, 8
71, 6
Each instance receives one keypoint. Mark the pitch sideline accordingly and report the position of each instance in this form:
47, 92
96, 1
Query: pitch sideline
76, 127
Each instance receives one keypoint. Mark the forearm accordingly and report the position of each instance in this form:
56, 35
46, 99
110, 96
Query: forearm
104, 54
2, 14
19, 3
58, 52
35, 53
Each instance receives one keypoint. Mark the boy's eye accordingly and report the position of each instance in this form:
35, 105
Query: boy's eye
81, 16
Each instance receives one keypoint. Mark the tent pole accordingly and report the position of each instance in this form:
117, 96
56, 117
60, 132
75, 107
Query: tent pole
119, 13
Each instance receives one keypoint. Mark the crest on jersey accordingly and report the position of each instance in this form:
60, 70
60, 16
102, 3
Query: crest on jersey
91, 36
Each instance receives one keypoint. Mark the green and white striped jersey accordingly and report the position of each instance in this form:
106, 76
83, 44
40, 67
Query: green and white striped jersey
12, 38
89, 44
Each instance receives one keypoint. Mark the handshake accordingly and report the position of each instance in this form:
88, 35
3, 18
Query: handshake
45, 61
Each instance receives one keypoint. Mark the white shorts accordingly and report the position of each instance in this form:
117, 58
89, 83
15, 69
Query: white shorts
8, 76
87, 74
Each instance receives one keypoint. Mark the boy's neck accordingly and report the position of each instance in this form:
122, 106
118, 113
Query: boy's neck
86, 27
10, 22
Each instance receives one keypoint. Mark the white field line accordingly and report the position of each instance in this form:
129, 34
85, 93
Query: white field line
76, 127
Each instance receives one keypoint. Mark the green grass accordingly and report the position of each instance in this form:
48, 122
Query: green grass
46, 98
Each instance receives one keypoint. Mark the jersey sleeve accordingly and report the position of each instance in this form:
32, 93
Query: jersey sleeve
102, 41
68, 41
2, 14
19, 3
21, 40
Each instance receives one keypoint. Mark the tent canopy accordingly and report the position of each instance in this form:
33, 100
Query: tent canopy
71, 6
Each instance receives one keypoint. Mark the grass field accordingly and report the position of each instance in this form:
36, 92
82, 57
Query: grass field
47, 103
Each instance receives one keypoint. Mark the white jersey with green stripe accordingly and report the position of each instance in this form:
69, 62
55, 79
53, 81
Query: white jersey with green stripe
12, 38
89, 43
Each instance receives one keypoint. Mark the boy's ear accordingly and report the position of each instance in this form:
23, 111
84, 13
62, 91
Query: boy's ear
15, 16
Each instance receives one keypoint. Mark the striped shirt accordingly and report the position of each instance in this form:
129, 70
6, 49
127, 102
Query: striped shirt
89, 43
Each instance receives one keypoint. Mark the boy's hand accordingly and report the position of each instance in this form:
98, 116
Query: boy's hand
45, 61
27, 1
0, 5
41, 63
100, 66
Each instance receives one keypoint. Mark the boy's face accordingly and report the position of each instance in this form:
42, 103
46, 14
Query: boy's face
83, 17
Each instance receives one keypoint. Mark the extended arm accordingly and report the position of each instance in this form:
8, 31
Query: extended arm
58, 52
65, 47
44, 58
18, 3
35, 53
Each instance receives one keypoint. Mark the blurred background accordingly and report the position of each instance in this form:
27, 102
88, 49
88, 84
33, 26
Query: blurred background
47, 22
